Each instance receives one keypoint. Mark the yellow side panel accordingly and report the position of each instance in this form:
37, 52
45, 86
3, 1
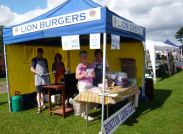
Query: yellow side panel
128, 50
19, 61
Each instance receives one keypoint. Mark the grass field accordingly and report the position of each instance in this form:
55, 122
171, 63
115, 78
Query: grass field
2, 79
163, 115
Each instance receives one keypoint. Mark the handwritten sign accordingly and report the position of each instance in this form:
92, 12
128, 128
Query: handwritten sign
70, 42
115, 42
95, 41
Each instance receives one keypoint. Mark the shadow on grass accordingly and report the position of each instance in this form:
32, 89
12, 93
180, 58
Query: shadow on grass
163, 77
161, 95
2, 103
145, 106
111, 110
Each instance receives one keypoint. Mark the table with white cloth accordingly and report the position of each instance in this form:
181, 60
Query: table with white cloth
113, 95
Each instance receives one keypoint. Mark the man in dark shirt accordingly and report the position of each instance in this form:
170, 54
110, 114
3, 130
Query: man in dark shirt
40, 67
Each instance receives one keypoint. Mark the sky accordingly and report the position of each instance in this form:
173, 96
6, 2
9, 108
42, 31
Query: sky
23, 6
161, 18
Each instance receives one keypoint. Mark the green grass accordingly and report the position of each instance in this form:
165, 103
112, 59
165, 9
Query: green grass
2, 79
163, 115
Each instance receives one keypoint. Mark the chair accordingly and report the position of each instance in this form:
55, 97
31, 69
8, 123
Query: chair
70, 86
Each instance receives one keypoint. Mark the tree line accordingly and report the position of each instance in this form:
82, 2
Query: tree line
179, 35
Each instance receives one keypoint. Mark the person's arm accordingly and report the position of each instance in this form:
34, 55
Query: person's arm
94, 63
93, 67
80, 76
33, 70
33, 65
93, 75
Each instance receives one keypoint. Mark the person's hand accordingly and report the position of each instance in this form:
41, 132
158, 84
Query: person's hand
93, 74
84, 74
41, 74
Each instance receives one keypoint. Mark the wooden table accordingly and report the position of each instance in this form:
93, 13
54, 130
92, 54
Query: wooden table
122, 93
62, 110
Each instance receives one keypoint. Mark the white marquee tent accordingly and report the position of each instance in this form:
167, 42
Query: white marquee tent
152, 47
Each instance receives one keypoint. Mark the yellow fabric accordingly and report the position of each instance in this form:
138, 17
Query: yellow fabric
19, 61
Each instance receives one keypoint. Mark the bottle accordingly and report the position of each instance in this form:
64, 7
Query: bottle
67, 71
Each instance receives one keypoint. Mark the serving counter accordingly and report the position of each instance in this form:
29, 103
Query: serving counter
113, 95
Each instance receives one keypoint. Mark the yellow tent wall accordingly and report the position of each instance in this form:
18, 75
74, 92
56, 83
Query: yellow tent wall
19, 62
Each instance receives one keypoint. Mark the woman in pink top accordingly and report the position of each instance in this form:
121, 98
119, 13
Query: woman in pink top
84, 72
84, 75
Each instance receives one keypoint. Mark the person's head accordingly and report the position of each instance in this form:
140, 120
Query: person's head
83, 56
40, 53
98, 53
58, 57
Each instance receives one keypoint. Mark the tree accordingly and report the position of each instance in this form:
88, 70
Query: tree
179, 35
1, 40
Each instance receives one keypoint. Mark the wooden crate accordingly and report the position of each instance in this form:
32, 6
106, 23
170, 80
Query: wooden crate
128, 65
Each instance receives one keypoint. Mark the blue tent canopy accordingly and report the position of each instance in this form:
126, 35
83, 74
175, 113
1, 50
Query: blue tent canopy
170, 43
73, 17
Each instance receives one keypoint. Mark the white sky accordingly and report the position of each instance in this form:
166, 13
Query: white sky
161, 18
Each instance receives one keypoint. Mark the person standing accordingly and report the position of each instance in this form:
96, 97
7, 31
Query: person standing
39, 67
84, 75
98, 65
59, 68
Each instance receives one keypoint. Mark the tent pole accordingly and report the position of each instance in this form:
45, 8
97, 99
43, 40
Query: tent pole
154, 70
103, 80
181, 53
168, 63
7, 82
144, 70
